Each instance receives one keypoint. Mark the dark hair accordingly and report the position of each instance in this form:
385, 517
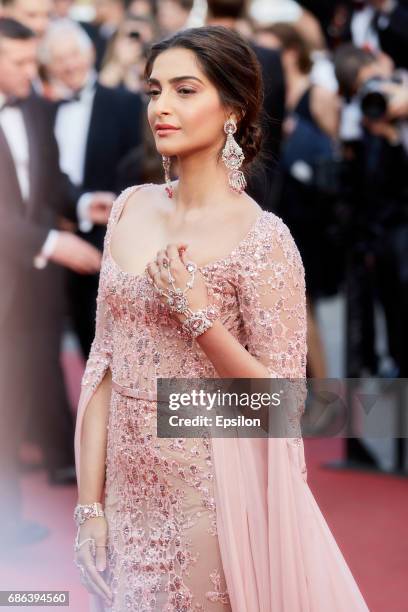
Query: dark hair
291, 38
187, 5
234, 9
233, 68
348, 60
10, 28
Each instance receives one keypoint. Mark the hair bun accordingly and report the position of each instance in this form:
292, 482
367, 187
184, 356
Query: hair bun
251, 141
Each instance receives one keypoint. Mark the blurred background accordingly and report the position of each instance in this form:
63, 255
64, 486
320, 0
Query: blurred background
74, 134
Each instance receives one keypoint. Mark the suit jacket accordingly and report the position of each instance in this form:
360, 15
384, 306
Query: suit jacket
26, 292
393, 35
112, 149
392, 29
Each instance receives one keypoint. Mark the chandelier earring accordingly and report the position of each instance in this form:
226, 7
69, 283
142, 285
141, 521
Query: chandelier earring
166, 165
233, 156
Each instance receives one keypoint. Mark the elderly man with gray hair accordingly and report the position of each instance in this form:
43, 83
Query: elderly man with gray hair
99, 133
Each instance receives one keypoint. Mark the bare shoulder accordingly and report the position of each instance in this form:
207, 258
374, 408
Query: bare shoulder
139, 200
323, 100
246, 213
135, 196
323, 95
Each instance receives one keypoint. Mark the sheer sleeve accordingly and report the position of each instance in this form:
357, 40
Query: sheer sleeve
100, 355
271, 293
101, 350
272, 298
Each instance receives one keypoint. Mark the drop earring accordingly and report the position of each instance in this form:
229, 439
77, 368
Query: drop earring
233, 156
166, 165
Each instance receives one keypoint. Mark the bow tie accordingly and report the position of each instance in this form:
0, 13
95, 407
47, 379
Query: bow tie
74, 98
77, 96
12, 102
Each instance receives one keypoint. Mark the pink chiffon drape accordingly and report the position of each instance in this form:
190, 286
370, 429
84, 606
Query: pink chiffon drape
278, 553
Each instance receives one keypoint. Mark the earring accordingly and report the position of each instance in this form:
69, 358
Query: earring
233, 156
166, 165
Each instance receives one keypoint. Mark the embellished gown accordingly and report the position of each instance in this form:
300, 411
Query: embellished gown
209, 525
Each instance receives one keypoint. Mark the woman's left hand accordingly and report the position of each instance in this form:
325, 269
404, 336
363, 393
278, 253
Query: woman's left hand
173, 261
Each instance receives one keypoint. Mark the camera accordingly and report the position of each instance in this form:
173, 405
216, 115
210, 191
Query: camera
373, 99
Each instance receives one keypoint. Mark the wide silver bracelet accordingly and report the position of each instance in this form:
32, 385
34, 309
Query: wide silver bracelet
198, 322
83, 512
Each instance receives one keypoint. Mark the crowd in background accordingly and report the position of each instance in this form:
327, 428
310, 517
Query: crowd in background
334, 167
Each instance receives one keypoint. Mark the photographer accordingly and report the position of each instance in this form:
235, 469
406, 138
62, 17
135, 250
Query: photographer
124, 60
391, 26
374, 125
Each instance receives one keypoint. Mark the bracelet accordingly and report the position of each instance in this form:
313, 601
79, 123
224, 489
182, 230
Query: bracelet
198, 322
83, 512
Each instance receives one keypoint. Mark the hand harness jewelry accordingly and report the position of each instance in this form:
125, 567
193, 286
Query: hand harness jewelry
196, 323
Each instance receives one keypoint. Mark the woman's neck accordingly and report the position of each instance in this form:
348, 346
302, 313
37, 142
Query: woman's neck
202, 184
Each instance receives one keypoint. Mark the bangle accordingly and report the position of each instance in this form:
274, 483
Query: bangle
198, 322
83, 512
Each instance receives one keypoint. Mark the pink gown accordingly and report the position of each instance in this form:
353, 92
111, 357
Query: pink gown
209, 525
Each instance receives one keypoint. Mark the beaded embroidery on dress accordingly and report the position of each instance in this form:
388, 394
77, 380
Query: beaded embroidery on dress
164, 550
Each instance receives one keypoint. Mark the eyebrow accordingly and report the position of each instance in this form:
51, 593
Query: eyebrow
151, 81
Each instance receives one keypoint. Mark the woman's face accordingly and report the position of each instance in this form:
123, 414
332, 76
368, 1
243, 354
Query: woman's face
181, 96
128, 47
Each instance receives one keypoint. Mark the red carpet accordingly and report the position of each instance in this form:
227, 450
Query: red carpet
367, 514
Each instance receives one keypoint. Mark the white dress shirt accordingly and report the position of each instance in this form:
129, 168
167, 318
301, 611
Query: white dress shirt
12, 124
71, 131
363, 31
14, 129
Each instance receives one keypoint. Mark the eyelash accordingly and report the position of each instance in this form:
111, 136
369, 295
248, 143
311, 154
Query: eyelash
186, 91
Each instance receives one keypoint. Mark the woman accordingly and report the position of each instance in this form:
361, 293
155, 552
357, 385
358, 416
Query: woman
198, 524
125, 58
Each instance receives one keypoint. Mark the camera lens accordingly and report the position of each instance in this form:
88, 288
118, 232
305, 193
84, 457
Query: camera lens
374, 105
134, 35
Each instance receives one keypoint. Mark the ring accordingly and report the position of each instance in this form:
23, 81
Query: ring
191, 267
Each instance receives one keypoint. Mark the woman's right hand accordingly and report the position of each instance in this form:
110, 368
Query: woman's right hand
90, 557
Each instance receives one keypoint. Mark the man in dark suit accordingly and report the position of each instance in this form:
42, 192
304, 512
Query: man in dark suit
378, 24
109, 14
99, 133
262, 185
35, 15
33, 253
